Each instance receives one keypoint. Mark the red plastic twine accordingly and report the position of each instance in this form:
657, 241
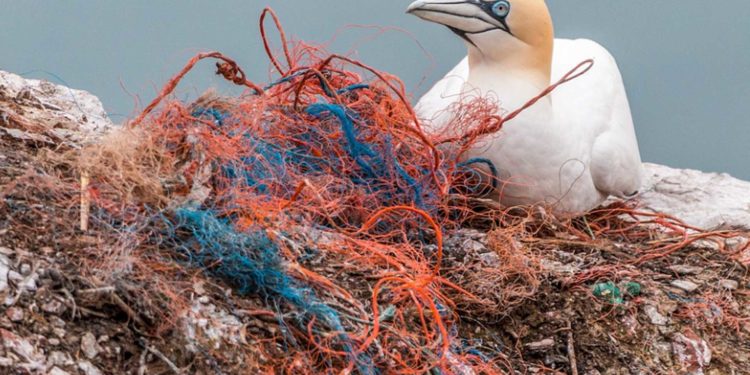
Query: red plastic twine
228, 68
282, 36
438, 232
497, 122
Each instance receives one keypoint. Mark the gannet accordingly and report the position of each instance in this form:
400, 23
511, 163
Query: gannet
572, 149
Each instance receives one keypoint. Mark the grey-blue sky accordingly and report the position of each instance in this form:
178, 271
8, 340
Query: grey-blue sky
686, 63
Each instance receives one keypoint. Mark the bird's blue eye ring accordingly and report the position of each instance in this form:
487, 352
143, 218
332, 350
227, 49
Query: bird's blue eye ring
501, 8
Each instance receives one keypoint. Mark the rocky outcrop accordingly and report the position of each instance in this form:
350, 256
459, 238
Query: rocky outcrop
704, 200
39, 111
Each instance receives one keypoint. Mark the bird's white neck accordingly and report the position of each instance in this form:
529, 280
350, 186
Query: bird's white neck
532, 63
510, 80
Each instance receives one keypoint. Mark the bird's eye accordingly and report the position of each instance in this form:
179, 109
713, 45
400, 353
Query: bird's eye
501, 8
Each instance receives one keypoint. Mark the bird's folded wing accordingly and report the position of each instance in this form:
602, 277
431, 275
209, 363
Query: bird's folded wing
601, 110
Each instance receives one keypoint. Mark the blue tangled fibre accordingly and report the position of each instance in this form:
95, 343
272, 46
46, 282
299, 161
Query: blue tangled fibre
375, 167
493, 169
266, 168
251, 263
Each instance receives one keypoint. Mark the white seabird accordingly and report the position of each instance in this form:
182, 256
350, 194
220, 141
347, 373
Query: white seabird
572, 149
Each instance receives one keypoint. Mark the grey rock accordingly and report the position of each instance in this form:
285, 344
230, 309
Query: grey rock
15, 314
216, 324
473, 234
54, 307
729, 284
708, 244
73, 340
34, 360
15, 276
490, 259
473, 246
655, 316
663, 352
558, 268
541, 346
458, 367
88, 368
89, 346
685, 285
4, 270
57, 371
667, 330
737, 243
59, 332
58, 358
199, 287
704, 200
25, 283
57, 322
684, 269
25, 269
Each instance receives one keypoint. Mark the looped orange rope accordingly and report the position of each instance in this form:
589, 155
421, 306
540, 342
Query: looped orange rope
228, 68
282, 36
571, 75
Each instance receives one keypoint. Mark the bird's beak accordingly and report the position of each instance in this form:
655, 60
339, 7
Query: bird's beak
466, 16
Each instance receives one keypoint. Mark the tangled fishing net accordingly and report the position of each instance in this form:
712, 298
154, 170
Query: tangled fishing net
319, 199
327, 163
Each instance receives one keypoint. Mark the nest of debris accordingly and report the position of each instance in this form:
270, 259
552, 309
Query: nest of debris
310, 226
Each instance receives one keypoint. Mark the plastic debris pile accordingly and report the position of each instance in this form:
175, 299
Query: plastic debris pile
318, 199
235, 186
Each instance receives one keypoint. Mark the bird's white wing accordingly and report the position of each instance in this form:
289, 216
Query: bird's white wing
596, 104
433, 108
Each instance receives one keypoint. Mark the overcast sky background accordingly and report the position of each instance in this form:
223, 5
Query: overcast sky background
686, 63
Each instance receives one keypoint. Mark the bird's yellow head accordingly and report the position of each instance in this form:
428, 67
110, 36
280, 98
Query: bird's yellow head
499, 30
